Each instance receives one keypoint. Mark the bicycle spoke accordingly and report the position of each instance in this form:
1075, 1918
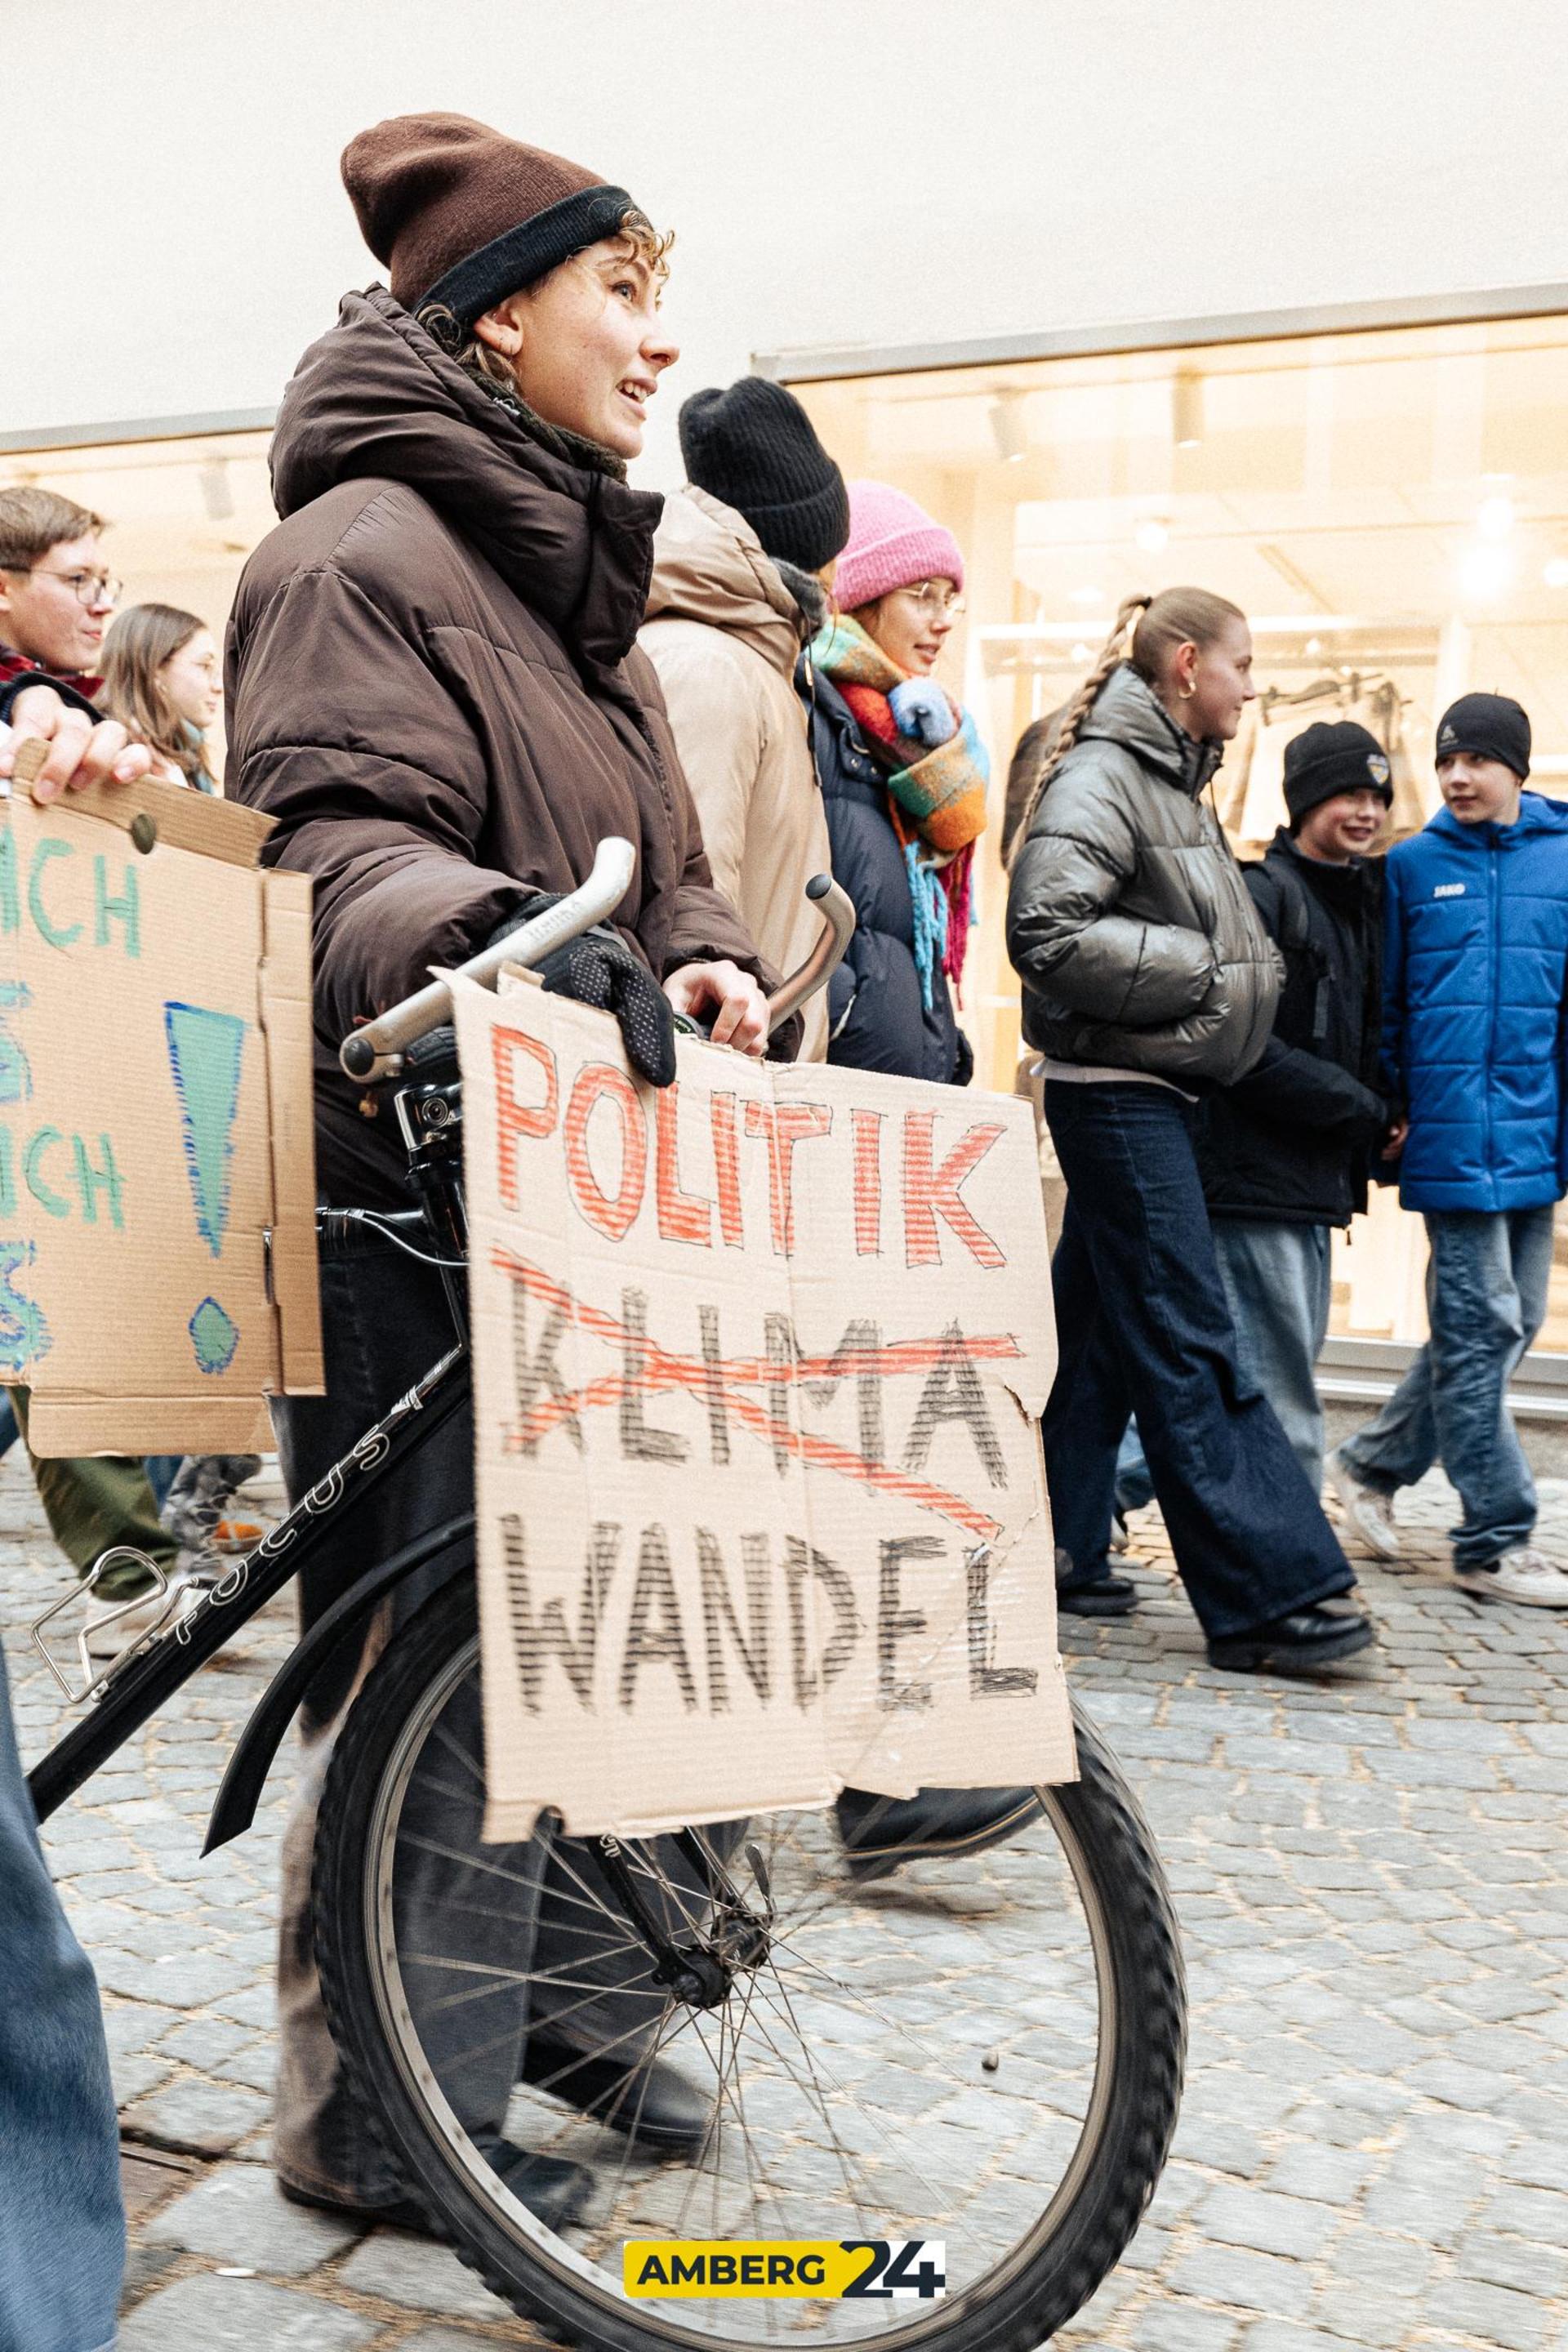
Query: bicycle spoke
836, 2036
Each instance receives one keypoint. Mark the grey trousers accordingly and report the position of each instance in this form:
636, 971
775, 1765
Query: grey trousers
1278, 1286
384, 1322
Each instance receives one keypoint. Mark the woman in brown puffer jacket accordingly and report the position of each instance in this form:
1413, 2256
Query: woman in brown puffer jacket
434, 688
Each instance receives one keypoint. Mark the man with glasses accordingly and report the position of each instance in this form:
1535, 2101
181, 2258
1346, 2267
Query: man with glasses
56, 600
55, 596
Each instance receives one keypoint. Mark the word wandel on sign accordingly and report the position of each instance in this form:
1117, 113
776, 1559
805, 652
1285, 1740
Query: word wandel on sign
759, 1360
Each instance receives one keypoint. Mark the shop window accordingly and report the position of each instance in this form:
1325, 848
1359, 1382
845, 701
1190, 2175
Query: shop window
1390, 507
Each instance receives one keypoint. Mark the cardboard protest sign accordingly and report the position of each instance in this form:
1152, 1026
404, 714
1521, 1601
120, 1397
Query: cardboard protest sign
758, 1364
157, 1210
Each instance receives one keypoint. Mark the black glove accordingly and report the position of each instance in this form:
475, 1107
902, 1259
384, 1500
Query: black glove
599, 969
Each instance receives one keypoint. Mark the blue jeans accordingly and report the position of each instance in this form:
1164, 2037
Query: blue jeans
62, 2230
1134, 1479
160, 1469
1143, 1327
1277, 1285
1486, 1301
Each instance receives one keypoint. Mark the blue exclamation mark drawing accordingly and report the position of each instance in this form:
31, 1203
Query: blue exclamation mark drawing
205, 1050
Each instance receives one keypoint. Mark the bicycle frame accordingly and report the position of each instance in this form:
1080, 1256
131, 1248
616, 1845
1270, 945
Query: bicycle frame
143, 1684
429, 1116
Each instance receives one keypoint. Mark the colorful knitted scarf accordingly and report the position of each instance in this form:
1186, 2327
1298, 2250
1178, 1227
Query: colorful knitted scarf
936, 799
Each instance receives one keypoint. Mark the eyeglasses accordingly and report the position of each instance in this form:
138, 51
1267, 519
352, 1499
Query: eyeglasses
88, 588
940, 603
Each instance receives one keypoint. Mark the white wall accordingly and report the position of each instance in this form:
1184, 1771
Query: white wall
870, 171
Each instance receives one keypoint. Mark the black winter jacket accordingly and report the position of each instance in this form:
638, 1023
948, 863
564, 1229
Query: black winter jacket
1128, 919
877, 1018
1291, 1143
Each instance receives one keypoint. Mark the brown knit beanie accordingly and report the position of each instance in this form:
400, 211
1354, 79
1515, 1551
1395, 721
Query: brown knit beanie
463, 216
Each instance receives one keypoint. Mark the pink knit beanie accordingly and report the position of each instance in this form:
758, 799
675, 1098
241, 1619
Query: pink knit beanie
893, 543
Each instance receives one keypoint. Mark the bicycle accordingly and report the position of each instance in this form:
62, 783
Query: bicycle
869, 2090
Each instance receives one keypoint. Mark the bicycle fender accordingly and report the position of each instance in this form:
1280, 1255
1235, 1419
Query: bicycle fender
234, 1809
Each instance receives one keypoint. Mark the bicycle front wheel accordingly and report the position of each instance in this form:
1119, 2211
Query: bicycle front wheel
982, 2053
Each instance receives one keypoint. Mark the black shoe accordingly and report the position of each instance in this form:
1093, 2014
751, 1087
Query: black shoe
650, 2102
1098, 1596
1302, 1643
880, 1833
554, 2192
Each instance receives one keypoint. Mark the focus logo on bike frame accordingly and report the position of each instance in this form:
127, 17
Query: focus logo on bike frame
819, 2269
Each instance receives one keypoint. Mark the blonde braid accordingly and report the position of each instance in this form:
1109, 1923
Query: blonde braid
1078, 711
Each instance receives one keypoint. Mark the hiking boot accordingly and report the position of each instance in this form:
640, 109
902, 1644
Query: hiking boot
1526, 1576
1369, 1513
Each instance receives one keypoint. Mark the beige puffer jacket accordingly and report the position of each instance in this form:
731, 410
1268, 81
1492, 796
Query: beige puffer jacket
724, 633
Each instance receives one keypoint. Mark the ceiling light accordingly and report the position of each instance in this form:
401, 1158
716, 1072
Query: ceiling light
1494, 516
1009, 426
1152, 535
1312, 648
1188, 411
1556, 572
1086, 595
1080, 652
1484, 570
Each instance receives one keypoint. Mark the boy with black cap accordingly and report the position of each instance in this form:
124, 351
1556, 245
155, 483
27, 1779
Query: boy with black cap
1284, 1154
741, 559
1475, 960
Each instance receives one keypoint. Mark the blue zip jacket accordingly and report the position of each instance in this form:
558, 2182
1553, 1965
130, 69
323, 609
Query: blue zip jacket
1473, 1036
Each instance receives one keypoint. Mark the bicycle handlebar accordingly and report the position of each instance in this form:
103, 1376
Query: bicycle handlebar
838, 913
377, 1050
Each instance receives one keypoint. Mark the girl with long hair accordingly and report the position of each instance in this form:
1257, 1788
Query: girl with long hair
1149, 980
163, 679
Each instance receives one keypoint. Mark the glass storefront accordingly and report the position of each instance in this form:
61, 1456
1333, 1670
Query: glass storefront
1389, 506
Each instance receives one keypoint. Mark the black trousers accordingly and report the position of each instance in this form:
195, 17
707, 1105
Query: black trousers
1143, 1327
532, 1950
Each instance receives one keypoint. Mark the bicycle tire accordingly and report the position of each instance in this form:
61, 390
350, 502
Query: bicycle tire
1080, 2237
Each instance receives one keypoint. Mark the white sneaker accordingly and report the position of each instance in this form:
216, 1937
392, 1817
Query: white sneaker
1525, 1575
1369, 1513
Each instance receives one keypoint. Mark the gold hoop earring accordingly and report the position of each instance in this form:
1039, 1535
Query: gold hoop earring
1187, 692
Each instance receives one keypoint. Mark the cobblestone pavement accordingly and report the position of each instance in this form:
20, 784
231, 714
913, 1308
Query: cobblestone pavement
1372, 1881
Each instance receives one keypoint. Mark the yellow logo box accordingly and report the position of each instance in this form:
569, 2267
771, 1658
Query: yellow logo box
716, 2269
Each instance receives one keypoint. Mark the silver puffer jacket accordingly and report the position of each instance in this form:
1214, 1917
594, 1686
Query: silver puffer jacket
1128, 919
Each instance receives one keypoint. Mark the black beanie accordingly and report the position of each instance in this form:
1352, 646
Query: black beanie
1339, 757
1488, 726
754, 448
